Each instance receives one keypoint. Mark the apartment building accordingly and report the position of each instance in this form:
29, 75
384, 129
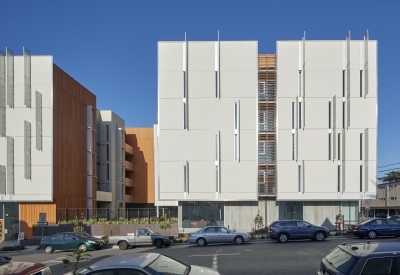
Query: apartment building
387, 202
286, 135
111, 163
47, 124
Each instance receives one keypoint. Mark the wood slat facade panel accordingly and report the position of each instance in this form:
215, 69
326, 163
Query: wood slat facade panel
142, 140
29, 215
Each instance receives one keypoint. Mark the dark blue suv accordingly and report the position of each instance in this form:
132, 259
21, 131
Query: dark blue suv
296, 229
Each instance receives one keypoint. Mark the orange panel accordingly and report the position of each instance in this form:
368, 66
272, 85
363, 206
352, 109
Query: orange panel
29, 215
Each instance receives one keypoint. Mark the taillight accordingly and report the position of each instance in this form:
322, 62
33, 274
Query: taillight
41, 241
189, 235
356, 228
272, 226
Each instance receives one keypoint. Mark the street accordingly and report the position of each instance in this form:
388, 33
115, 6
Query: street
257, 257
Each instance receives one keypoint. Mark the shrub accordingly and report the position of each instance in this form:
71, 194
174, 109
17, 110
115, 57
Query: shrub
13, 248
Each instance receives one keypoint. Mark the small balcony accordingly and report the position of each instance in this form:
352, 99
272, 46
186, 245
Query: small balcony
129, 182
129, 199
129, 166
129, 150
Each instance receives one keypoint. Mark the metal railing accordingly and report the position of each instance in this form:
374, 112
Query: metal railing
114, 214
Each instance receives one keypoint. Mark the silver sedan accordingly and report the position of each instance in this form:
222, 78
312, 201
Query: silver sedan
217, 234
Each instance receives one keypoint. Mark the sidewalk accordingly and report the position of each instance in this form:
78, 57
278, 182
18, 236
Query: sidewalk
28, 249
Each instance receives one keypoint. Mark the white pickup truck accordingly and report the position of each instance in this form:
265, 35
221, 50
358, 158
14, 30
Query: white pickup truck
143, 236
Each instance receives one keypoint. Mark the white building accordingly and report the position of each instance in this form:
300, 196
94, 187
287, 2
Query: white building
110, 161
207, 135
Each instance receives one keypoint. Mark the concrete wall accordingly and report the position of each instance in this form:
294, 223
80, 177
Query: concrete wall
207, 116
39, 187
321, 213
313, 175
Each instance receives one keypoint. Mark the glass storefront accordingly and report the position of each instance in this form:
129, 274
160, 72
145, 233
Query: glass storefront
350, 212
200, 214
9, 213
290, 210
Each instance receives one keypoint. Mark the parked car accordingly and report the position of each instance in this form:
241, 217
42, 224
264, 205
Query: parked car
217, 234
296, 229
70, 241
22, 268
362, 258
377, 227
395, 217
144, 264
350, 229
143, 236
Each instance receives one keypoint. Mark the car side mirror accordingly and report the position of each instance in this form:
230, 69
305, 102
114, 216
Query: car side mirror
74, 238
148, 234
228, 231
309, 226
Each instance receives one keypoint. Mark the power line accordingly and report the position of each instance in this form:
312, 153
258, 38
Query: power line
389, 148
389, 165
389, 170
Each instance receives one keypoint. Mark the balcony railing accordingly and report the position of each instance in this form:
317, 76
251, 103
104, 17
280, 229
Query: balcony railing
129, 166
129, 199
129, 182
129, 149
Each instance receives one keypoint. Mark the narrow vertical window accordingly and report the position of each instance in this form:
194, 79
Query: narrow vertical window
107, 133
108, 171
361, 81
216, 84
343, 82
361, 146
299, 115
292, 115
184, 116
217, 147
236, 130
361, 178
299, 83
292, 146
108, 151
184, 84
299, 178
329, 115
338, 152
217, 179
185, 178
343, 115
329, 146
338, 178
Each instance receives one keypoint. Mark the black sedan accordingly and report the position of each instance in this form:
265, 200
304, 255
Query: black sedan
377, 227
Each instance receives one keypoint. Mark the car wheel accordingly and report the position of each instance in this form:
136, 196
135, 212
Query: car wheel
82, 247
239, 240
158, 243
123, 245
283, 238
320, 236
48, 249
371, 234
167, 244
201, 242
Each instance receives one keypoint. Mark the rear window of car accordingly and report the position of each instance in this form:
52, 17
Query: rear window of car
364, 222
341, 260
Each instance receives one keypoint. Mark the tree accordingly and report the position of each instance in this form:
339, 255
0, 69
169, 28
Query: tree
79, 256
390, 177
259, 222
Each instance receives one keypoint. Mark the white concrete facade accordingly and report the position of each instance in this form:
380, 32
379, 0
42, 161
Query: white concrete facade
111, 160
326, 121
207, 129
26, 103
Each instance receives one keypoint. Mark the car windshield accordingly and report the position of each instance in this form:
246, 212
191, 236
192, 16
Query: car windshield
167, 266
85, 235
341, 260
152, 231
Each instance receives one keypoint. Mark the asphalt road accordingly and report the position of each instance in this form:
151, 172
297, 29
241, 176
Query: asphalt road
267, 257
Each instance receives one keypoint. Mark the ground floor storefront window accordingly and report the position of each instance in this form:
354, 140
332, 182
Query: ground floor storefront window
197, 214
9, 214
290, 210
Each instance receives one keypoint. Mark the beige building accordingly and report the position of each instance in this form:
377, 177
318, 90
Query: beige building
387, 202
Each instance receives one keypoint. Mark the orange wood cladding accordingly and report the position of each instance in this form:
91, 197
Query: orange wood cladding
70, 101
142, 140
29, 215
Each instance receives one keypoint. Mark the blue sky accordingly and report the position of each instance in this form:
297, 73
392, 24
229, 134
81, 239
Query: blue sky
110, 47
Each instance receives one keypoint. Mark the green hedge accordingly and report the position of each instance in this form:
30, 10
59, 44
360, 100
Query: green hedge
12, 248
